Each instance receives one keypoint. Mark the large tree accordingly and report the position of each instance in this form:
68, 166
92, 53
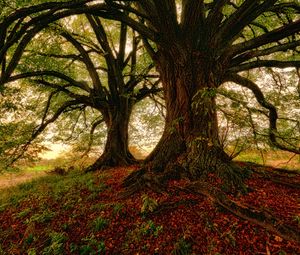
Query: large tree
196, 46
103, 69
199, 45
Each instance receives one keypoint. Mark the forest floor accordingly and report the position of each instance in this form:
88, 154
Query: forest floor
85, 214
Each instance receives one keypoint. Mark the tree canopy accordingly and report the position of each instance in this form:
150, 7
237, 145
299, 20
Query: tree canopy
199, 49
196, 47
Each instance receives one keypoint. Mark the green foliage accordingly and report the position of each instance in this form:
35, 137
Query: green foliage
31, 251
146, 118
98, 207
17, 122
281, 252
43, 217
182, 247
24, 213
142, 231
29, 239
149, 228
92, 246
117, 208
148, 204
93, 187
297, 219
56, 244
99, 224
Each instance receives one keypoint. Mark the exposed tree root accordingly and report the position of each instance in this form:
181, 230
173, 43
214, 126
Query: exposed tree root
289, 184
255, 166
276, 175
142, 180
204, 159
173, 205
253, 215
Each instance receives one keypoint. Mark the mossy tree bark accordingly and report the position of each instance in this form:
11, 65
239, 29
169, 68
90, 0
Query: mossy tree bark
190, 141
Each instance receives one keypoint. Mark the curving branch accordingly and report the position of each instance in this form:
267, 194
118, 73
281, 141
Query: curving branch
215, 16
273, 116
42, 19
286, 7
265, 52
71, 81
91, 137
146, 92
39, 129
99, 31
27, 11
87, 61
243, 16
115, 14
273, 36
31, 29
127, 8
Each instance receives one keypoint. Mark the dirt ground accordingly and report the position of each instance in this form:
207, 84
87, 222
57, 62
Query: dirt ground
12, 179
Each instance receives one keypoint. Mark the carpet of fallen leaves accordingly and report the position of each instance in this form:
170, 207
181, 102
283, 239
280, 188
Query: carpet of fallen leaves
100, 222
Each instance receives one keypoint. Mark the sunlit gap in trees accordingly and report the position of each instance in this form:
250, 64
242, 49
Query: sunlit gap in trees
145, 130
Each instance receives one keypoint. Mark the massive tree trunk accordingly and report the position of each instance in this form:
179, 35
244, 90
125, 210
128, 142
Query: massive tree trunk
190, 144
116, 151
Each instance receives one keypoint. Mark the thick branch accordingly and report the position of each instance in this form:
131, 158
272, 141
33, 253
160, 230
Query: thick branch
243, 16
43, 126
38, 23
117, 15
265, 52
56, 74
86, 59
91, 138
273, 36
273, 116
192, 18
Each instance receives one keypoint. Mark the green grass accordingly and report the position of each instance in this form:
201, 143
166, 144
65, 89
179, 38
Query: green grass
64, 189
274, 158
37, 168
41, 201
99, 224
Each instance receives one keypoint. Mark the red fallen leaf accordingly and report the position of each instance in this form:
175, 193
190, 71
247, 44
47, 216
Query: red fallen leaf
14, 226
249, 239
278, 239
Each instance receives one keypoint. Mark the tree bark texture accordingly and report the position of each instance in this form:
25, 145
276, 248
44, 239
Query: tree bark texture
190, 144
116, 151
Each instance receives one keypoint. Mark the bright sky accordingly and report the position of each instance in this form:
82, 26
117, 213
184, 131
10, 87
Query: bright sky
55, 150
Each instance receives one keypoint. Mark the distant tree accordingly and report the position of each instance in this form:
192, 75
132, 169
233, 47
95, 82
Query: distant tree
103, 69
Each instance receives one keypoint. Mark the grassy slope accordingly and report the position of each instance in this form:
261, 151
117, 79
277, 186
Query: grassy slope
83, 214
